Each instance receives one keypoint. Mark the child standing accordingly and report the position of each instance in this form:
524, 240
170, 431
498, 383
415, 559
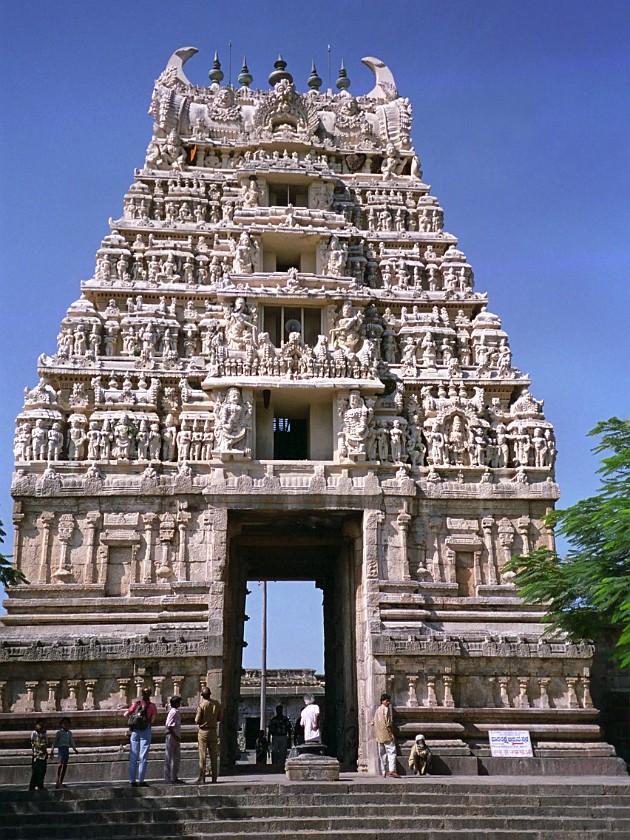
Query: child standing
62, 743
173, 742
39, 755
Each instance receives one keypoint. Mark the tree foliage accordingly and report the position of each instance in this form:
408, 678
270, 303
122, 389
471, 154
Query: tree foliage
587, 592
8, 575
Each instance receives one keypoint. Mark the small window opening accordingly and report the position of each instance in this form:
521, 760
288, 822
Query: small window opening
281, 195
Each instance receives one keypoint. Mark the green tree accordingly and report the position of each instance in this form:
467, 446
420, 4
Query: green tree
587, 592
8, 575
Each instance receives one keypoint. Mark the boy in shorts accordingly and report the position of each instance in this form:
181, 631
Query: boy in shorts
62, 743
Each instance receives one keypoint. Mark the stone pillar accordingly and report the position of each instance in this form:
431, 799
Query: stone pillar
3, 684
88, 703
477, 568
504, 697
450, 559
148, 520
123, 700
449, 702
164, 571
50, 704
139, 683
29, 703
45, 523
543, 685
487, 526
135, 571
391, 683
18, 518
587, 701
572, 698
70, 703
523, 699
434, 534
506, 539
402, 521
157, 691
493, 691
102, 559
412, 699
177, 684
522, 526
91, 566
548, 533
431, 698
65, 531
183, 519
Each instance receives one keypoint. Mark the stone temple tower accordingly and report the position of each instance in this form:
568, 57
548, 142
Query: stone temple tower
280, 368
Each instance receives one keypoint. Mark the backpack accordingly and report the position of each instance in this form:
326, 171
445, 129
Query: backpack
138, 720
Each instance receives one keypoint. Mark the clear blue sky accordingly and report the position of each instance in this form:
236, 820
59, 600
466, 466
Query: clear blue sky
522, 123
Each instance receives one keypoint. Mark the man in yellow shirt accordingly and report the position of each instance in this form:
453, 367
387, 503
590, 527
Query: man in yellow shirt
208, 717
384, 734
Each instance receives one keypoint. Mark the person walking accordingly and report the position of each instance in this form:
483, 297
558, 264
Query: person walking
140, 716
39, 755
207, 718
262, 747
173, 742
384, 734
309, 720
280, 734
62, 743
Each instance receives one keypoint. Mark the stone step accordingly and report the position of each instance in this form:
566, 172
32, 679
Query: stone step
94, 799
365, 809
133, 810
309, 827
239, 820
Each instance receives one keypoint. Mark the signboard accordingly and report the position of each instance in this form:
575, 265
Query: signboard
510, 743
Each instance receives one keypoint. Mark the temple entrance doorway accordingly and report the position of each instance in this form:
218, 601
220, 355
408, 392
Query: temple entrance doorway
317, 546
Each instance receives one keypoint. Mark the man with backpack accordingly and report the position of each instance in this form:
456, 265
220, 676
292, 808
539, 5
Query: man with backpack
140, 717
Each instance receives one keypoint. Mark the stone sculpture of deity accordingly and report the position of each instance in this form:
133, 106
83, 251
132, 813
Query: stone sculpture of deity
347, 332
244, 253
356, 417
336, 257
240, 325
231, 423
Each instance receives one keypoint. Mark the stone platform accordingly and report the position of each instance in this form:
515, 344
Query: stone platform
108, 765
358, 806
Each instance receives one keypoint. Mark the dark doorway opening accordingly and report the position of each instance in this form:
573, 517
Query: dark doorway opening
252, 728
290, 439
319, 546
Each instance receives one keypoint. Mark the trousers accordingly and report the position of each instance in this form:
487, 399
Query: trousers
172, 757
387, 757
207, 742
38, 773
139, 754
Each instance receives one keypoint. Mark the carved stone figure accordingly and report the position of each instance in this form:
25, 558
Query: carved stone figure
231, 423
240, 325
356, 417
244, 254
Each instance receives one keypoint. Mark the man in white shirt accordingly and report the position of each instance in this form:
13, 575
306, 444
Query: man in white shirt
310, 721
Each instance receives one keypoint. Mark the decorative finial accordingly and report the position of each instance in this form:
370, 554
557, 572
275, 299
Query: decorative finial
343, 82
279, 73
245, 78
216, 74
314, 81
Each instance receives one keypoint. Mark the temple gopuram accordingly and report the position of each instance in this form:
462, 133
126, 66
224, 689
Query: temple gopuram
281, 369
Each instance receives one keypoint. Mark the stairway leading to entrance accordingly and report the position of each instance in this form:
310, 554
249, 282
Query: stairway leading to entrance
361, 808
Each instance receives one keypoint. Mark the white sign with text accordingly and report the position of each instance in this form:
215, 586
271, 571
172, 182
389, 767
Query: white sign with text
510, 743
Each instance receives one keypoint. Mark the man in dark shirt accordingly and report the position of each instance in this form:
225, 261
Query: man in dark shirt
280, 735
